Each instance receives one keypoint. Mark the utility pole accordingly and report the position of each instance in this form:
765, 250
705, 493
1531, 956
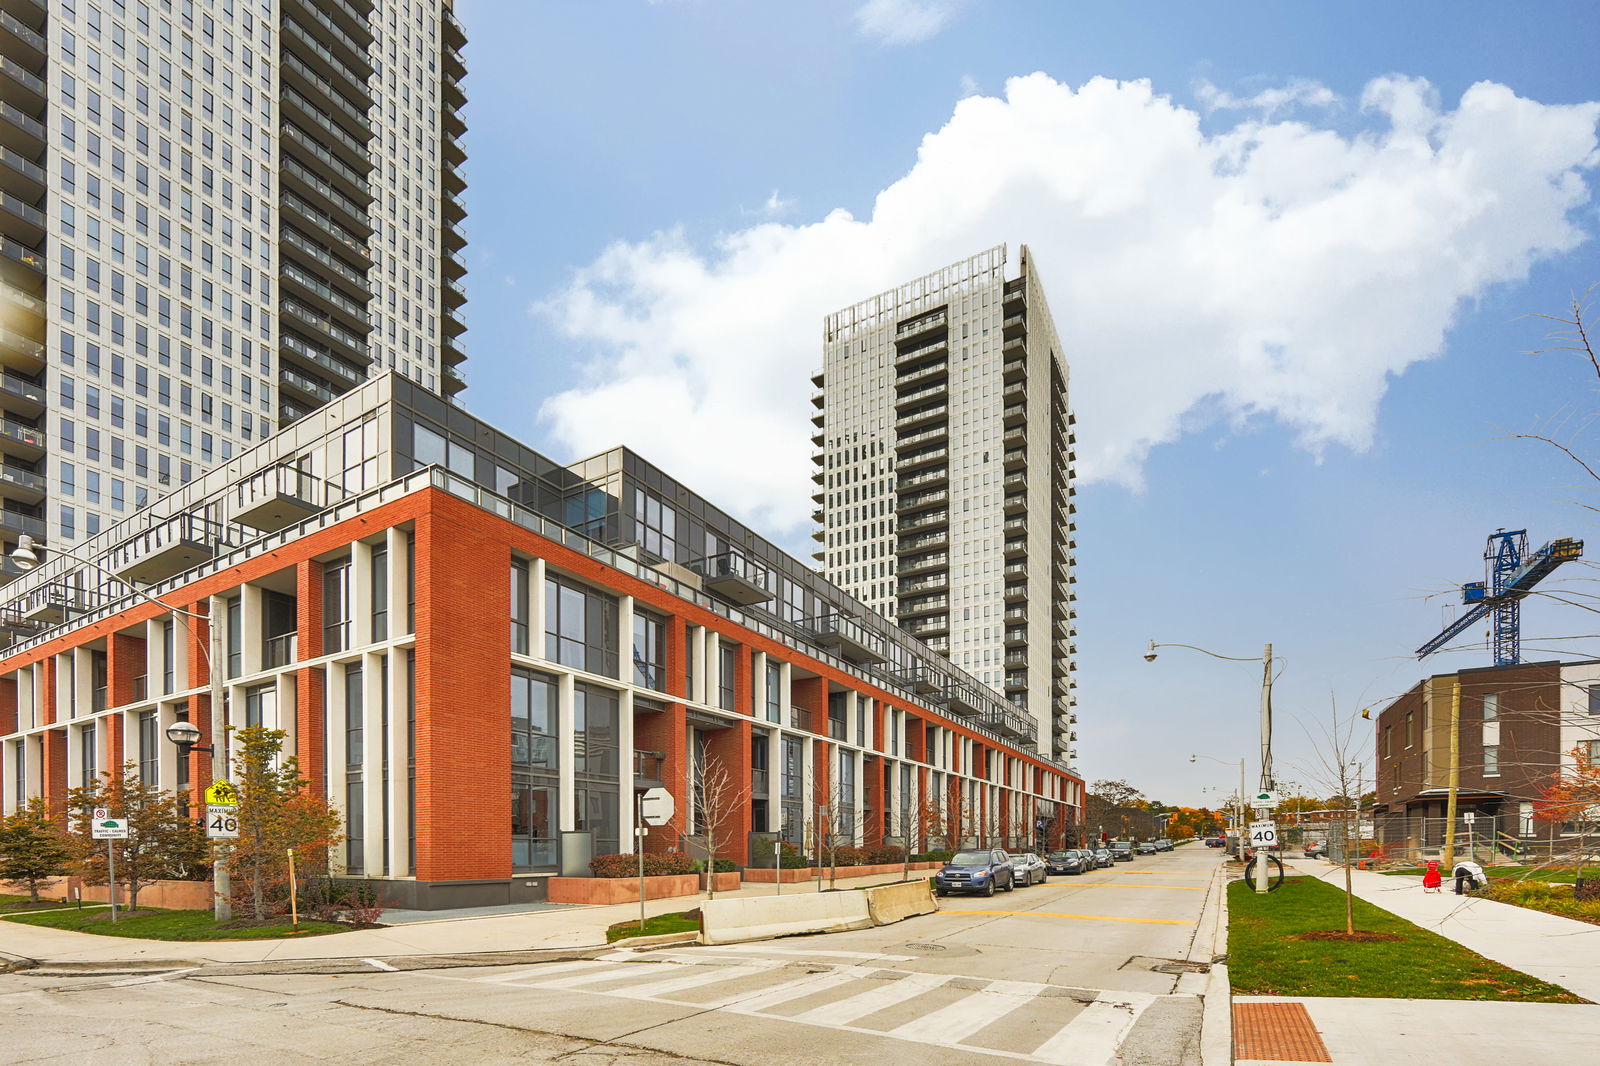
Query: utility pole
1453, 780
222, 887
1262, 878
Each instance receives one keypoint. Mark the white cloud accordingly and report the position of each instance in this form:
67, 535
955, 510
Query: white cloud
1274, 271
905, 21
1299, 92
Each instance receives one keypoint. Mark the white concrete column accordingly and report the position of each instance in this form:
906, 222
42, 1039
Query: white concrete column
625, 786
252, 638
536, 608
360, 595
758, 686
808, 791
285, 717
697, 652
333, 727
568, 695
713, 653
399, 751
785, 705
83, 682
27, 708
858, 831
167, 761
625, 624
396, 541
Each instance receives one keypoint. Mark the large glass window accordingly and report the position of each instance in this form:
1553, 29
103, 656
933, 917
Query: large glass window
535, 788
727, 672
354, 756
657, 524
649, 651
235, 633
580, 627
380, 592
169, 656
596, 761
90, 753
261, 705
774, 691
336, 606
520, 607
149, 748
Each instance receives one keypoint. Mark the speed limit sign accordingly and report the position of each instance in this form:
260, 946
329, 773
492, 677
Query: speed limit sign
1264, 834
222, 821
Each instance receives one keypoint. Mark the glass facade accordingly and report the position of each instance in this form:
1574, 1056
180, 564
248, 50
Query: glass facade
535, 765
580, 627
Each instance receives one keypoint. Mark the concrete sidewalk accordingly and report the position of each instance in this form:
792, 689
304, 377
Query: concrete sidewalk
1559, 950
553, 928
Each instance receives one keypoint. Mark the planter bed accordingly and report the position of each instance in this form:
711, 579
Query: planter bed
763, 875
607, 890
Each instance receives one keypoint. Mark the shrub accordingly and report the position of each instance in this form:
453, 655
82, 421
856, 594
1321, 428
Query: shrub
939, 855
654, 865
885, 855
331, 899
847, 855
724, 866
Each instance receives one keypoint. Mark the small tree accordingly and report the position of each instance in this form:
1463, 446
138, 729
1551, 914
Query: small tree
163, 842
277, 812
1573, 798
33, 849
721, 801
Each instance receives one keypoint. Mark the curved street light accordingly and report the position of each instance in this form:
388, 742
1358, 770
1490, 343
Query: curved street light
1267, 660
1229, 762
185, 735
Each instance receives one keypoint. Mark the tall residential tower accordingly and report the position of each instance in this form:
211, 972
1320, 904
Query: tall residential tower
944, 477
217, 215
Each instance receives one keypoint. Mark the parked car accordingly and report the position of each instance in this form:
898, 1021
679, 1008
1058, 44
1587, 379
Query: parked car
1065, 862
1216, 842
1028, 869
1147, 847
1316, 849
1164, 844
975, 871
1122, 851
1103, 858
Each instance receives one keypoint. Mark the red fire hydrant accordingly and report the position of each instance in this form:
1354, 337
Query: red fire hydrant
1431, 878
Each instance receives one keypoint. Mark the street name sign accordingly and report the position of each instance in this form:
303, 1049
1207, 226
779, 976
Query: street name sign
1264, 834
657, 806
222, 821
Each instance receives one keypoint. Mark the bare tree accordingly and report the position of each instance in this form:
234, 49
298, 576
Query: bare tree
720, 800
1337, 769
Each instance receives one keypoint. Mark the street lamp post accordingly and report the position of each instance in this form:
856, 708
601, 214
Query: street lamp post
26, 557
1267, 660
1239, 808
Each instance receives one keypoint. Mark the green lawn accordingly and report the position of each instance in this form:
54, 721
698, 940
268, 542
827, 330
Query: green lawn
14, 904
679, 922
1555, 874
1264, 960
168, 925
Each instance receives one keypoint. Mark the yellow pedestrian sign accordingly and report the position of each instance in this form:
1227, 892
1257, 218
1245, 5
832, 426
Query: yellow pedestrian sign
221, 792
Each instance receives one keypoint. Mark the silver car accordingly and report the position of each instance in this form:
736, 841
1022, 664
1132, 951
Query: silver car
1029, 869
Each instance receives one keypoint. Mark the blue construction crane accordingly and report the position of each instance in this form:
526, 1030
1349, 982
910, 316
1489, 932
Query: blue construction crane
1511, 573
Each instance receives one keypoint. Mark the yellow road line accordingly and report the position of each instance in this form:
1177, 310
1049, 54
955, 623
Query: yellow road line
1081, 917
1163, 873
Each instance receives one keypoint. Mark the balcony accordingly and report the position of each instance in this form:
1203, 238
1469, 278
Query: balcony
1016, 549
1016, 503
305, 211
930, 477
318, 288
21, 39
928, 436
960, 698
909, 422
931, 583
21, 353
1017, 593
1015, 415
280, 497
329, 328
921, 500
734, 578
165, 550
281, 650
920, 677
1011, 723
352, 50
926, 605
1014, 370
923, 458
916, 396
15, 523
921, 351
916, 564
1016, 460
21, 87
914, 375
52, 603
847, 637
923, 323
320, 357
355, 278
926, 628
22, 485
311, 390
1015, 325
21, 439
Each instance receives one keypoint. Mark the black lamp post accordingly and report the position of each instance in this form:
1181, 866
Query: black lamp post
186, 735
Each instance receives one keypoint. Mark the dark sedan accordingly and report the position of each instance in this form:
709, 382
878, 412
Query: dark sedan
1065, 862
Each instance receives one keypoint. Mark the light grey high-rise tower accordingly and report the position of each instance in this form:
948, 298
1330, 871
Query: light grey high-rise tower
944, 477
217, 215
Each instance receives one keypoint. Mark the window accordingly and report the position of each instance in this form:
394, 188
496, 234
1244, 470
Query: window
580, 627
1594, 700
169, 657
1411, 732
380, 592
149, 748
649, 651
234, 612
1525, 819
728, 656
89, 751
1592, 749
657, 524
520, 619
1491, 706
595, 717
774, 691
354, 756
535, 788
336, 606
261, 705
1491, 760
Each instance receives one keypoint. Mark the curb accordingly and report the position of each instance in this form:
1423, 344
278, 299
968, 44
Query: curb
10, 963
1216, 1021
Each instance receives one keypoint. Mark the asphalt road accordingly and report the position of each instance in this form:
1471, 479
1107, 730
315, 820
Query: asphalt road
1070, 972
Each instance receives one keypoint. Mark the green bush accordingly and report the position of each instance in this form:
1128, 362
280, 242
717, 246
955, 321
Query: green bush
654, 865
883, 856
941, 855
1550, 897
846, 855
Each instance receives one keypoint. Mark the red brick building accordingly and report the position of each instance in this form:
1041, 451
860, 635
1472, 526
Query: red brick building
481, 657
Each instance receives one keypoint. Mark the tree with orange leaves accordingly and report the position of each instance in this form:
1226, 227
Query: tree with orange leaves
1574, 795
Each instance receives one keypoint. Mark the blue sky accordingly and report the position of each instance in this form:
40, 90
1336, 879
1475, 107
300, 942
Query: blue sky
653, 244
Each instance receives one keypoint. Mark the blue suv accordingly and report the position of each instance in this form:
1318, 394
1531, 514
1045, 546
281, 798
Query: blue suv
975, 871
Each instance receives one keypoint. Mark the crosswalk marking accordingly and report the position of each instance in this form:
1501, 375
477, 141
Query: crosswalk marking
1091, 1038
1092, 1027
885, 994
961, 1019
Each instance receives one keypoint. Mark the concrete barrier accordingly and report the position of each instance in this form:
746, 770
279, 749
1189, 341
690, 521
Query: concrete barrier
731, 921
893, 903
